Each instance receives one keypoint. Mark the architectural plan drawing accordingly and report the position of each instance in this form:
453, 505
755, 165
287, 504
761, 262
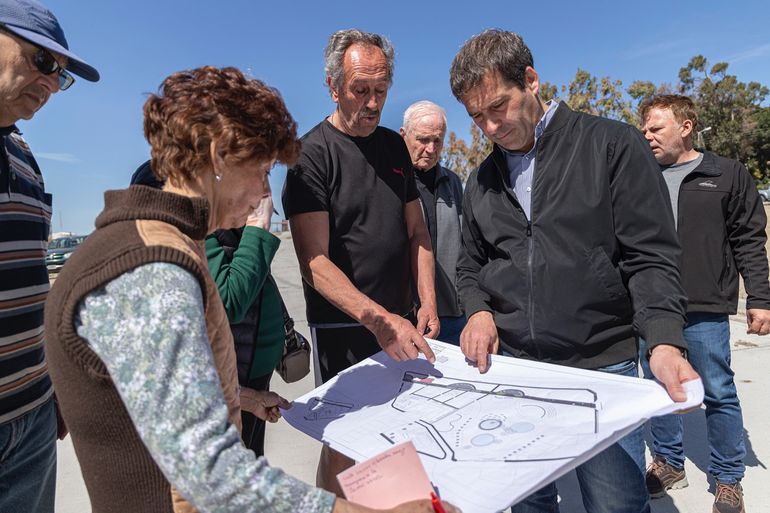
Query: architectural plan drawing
480, 421
509, 431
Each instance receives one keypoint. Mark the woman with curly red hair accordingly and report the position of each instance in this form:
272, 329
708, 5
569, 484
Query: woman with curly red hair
137, 340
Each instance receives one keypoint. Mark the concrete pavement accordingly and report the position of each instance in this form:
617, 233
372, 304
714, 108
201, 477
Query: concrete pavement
297, 453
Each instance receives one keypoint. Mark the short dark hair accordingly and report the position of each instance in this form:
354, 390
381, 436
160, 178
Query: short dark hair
682, 107
492, 50
248, 118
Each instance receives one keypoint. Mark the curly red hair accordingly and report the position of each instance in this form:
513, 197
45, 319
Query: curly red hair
247, 118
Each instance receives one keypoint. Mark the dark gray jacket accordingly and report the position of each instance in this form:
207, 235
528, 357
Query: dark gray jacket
446, 237
721, 224
597, 264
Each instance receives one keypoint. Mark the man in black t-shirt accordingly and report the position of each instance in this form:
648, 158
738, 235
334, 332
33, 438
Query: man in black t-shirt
358, 227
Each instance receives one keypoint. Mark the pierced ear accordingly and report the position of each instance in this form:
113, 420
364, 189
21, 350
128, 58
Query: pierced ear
217, 159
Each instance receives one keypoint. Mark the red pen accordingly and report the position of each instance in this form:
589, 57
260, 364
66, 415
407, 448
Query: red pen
437, 507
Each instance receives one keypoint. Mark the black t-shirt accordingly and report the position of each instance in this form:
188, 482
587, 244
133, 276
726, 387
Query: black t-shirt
364, 183
427, 178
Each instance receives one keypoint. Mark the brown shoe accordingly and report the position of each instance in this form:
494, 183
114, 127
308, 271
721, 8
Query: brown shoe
729, 498
661, 477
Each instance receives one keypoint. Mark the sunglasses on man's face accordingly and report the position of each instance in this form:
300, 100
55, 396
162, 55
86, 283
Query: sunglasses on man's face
46, 64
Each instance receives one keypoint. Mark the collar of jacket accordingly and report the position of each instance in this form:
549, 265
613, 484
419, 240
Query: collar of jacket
189, 215
708, 165
442, 173
7, 130
557, 123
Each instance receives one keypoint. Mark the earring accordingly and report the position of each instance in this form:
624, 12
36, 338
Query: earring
218, 178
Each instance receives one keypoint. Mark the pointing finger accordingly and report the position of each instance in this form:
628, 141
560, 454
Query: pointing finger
424, 348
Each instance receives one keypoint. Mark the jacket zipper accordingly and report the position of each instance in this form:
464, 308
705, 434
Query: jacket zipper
725, 256
530, 258
531, 313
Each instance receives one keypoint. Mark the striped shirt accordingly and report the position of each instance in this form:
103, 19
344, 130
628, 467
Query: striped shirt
25, 216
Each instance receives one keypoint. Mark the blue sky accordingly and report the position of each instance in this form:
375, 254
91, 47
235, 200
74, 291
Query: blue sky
89, 139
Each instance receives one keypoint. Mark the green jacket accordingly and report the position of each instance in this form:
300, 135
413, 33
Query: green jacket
240, 273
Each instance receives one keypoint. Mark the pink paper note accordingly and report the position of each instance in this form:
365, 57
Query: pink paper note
388, 479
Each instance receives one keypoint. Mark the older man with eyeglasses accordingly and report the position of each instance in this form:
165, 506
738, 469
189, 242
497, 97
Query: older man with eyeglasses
35, 62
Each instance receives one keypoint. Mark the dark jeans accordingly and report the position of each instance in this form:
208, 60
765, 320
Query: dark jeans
253, 434
28, 461
451, 328
610, 482
708, 351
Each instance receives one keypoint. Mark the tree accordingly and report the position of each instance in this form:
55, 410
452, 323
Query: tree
463, 158
600, 97
762, 141
729, 107
548, 91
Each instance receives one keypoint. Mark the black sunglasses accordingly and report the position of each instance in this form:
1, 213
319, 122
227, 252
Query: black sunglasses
45, 62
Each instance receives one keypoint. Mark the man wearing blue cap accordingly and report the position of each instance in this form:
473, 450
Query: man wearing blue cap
35, 62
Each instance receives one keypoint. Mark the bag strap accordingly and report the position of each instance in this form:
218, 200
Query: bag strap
288, 322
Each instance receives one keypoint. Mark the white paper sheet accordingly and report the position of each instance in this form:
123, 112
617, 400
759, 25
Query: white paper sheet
486, 440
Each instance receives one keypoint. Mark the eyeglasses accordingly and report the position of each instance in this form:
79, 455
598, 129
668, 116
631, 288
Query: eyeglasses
45, 62
47, 65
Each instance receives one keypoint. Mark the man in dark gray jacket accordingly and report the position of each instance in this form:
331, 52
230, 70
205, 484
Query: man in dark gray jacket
721, 224
569, 250
441, 194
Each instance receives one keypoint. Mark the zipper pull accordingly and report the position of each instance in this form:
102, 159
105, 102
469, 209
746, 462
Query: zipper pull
529, 228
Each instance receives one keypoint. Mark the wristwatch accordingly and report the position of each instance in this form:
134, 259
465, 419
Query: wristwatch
683, 351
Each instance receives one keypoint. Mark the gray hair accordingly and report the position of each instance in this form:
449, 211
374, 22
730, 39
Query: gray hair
340, 41
492, 50
422, 107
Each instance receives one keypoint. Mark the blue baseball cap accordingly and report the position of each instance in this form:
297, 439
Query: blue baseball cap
32, 21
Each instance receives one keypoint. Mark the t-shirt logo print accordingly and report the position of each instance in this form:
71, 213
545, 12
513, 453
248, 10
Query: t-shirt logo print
399, 171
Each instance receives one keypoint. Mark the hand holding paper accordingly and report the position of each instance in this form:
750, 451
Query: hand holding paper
393, 480
388, 479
